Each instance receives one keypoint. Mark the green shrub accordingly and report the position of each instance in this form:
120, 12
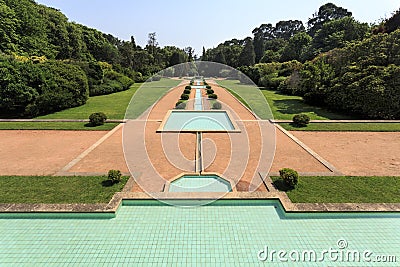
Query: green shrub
156, 78
301, 120
97, 118
184, 96
114, 176
208, 86
186, 91
213, 96
210, 91
188, 87
180, 105
217, 105
289, 176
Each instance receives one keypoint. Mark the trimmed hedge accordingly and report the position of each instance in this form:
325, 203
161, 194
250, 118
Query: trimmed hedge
213, 96
301, 120
29, 90
289, 176
97, 119
180, 105
113, 82
184, 96
217, 105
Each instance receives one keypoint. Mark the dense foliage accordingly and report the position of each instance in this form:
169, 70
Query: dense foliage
337, 62
29, 89
362, 78
50, 64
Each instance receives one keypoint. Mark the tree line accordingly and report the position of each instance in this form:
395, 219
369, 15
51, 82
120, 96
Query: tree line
335, 62
35, 38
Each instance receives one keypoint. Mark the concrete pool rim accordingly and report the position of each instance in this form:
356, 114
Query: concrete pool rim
180, 176
236, 128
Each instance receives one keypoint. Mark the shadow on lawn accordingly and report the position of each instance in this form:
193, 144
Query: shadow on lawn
296, 106
282, 186
107, 183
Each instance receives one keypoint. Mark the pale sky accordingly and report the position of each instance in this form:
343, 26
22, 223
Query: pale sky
202, 23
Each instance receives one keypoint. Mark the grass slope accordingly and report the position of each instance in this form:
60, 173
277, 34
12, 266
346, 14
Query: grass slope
147, 95
56, 189
283, 107
343, 189
250, 96
113, 105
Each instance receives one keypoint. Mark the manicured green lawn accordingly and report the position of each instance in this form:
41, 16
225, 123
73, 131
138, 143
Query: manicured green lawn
73, 126
113, 105
147, 95
55, 189
351, 127
343, 189
284, 107
250, 95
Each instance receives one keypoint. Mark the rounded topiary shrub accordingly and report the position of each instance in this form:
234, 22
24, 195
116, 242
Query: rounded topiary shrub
210, 91
301, 120
188, 87
156, 78
180, 105
97, 118
213, 96
114, 176
217, 105
186, 91
208, 86
184, 96
289, 176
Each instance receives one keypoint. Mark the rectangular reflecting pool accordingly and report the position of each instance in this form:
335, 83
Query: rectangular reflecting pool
223, 233
198, 121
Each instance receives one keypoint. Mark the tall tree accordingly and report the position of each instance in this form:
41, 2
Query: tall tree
325, 14
261, 34
247, 56
285, 29
393, 23
203, 55
152, 44
220, 57
297, 47
190, 53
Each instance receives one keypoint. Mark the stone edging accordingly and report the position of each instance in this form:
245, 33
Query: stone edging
341, 121
310, 151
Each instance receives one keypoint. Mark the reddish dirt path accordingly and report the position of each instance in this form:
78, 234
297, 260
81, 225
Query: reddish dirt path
289, 154
42, 152
107, 156
357, 153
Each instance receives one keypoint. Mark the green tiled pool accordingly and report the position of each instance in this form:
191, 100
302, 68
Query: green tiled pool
204, 183
197, 121
225, 233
